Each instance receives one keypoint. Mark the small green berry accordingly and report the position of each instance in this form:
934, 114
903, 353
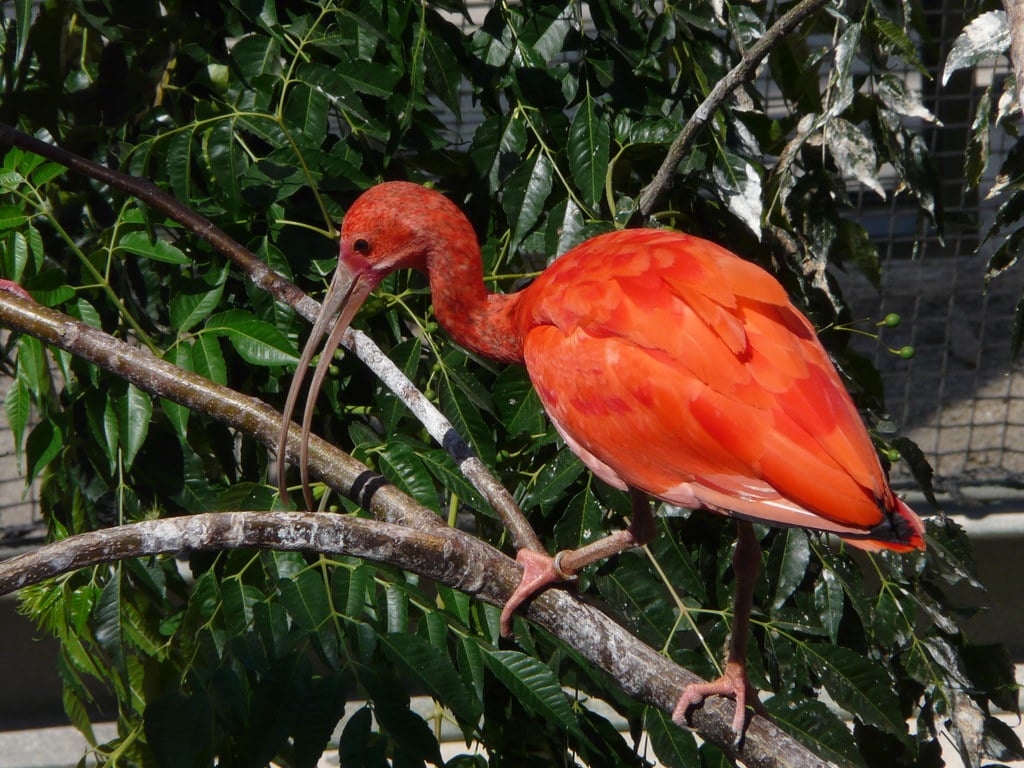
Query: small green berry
891, 320
906, 352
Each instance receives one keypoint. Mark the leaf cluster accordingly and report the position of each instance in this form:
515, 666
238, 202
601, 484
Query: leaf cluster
544, 122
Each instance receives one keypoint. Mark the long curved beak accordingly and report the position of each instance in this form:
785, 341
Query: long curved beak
344, 297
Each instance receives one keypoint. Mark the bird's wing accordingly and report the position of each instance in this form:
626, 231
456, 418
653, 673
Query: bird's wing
684, 371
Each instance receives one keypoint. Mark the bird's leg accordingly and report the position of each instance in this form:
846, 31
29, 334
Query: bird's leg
540, 570
746, 561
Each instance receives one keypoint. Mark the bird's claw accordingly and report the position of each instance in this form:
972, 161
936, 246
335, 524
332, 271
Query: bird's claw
733, 684
540, 570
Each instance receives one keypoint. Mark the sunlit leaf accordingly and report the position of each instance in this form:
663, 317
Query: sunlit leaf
985, 36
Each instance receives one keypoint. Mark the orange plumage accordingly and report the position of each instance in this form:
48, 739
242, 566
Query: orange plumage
672, 367
675, 367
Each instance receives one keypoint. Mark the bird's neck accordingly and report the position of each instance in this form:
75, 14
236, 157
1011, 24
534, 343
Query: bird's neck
481, 321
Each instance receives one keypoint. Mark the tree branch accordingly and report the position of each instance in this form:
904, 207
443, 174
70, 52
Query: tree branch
653, 192
1015, 19
439, 428
443, 554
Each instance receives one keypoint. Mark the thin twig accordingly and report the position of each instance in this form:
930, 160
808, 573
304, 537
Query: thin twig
653, 192
286, 292
445, 555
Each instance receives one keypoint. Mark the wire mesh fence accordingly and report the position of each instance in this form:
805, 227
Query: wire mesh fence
961, 398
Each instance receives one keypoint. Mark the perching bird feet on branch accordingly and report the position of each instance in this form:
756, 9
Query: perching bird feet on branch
540, 570
733, 684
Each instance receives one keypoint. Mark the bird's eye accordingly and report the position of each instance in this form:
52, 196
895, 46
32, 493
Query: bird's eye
361, 246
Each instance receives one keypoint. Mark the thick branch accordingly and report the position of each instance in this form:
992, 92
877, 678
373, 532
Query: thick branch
653, 192
281, 289
247, 414
1015, 19
444, 554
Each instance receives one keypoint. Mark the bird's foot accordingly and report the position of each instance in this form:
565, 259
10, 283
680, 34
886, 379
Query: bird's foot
540, 570
12, 287
733, 684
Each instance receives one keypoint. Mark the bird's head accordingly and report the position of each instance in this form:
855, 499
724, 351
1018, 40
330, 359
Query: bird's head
389, 227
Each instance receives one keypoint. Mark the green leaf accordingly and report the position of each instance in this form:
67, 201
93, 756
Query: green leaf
637, 597
517, 402
43, 445
50, 288
739, 186
18, 407
134, 413
787, 564
228, 163
360, 745
674, 746
858, 684
138, 242
194, 300
534, 686
467, 419
181, 356
46, 173
238, 601
15, 256
433, 670
258, 342
208, 359
179, 163
442, 70
399, 463
306, 114
828, 600
305, 598
11, 217
986, 36
677, 562
179, 729
319, 710
854, 153
102, 420
440, 465
371, 78
818, 727
588, 151
552, 480
257, 55
32, 368
841, 82
853, 242
23, 12
582, 523
526, 193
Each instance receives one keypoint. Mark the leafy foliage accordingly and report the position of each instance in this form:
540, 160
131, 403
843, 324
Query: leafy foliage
269, 118
988, 36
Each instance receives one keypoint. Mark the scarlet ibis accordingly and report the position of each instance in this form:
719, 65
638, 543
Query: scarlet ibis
673, 368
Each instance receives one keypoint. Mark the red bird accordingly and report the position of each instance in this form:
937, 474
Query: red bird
670, 366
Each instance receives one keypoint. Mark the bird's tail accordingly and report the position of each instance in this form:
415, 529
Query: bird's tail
900, 531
